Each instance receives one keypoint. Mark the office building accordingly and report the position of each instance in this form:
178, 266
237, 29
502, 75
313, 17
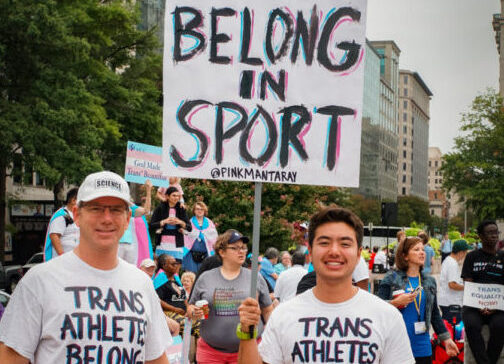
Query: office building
414, 99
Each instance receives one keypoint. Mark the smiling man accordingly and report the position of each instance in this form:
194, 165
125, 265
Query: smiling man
335, 321
88, 305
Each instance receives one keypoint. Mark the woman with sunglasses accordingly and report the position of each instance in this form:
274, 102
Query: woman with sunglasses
414, 294
224, 288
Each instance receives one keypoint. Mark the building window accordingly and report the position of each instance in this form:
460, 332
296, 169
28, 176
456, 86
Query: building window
404, 129
430, 163
404, 117
405, 104
404, 191
405, 92
17, 169
38, 180
405, 79
435, 164
432, 212
404, 178
435, 181
404, 166
435, 195
440, 180
404, 142
428, 180
404, 153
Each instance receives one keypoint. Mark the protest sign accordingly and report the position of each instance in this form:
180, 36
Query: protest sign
143, 162
479, 295
265, 92
174, 351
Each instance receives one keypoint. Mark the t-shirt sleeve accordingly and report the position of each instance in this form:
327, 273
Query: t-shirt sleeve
262, 287
157, 336
270, 346
58, 225
197, 289
21, 324
467, 267
397, 347
453, 273
361, 271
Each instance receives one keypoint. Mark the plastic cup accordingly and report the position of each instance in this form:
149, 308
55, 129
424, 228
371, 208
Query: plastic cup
203, 304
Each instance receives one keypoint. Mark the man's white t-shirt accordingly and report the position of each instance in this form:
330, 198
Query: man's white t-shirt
69, 235
361, 271
450, 272
288, 281
380, 258
64, 310
363, 329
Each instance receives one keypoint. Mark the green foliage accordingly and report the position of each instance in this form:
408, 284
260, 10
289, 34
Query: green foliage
411, 208
436, 245
454, 235
231, 206
475, 170
78, 79
412, 231
369, 210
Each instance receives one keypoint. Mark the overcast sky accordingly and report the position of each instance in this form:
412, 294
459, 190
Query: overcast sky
451, 44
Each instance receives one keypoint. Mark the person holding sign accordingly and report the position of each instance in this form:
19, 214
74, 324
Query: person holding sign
334, 321
87, 305
414, 294
484, 266
171, 216
223, 289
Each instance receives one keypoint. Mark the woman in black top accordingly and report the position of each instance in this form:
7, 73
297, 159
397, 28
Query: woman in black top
172, 218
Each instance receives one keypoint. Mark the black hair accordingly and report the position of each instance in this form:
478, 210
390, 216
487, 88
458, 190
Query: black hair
71, 194
336, 214
481, 226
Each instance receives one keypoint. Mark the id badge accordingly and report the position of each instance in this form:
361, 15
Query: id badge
420, 328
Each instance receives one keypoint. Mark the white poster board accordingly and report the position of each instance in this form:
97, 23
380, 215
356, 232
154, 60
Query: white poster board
479, 295
264, 91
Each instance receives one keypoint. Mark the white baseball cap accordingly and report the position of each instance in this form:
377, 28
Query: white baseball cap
147, 263
103, 184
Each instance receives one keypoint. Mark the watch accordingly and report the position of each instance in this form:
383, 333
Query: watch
245, 335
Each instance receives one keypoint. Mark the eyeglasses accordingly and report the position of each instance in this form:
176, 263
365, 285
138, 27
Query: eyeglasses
115, 210
243, 248
492, 232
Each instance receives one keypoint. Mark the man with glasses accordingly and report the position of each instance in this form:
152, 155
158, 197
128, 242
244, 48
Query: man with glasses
485, 266
88, 305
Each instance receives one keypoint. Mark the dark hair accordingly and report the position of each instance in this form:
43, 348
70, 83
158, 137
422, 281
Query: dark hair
170, 190
162, 260
403, 250
336, 214
298, 258
481, 226
222, 242
271, 253
71, 195
375, 249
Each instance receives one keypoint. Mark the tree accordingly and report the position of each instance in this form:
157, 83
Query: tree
411, 208
69, 91
231, 206
369, 210
475, 169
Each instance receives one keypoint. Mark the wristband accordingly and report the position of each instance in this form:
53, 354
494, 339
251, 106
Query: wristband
245, 335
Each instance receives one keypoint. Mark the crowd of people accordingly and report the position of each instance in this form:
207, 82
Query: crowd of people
312, 304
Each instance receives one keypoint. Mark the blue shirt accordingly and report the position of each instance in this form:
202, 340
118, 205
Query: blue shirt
267, 270
420, 344
447, 246
429, 254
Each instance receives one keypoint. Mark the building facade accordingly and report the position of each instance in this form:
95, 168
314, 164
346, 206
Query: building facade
387, 134
414, 99
441, 204
370, 161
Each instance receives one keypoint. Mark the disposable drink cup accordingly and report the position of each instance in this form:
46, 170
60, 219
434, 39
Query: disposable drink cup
396, 294
203, 304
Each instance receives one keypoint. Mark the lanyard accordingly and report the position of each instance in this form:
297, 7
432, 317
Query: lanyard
417, 305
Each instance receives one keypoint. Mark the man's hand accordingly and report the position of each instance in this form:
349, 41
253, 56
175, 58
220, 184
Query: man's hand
250, 313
